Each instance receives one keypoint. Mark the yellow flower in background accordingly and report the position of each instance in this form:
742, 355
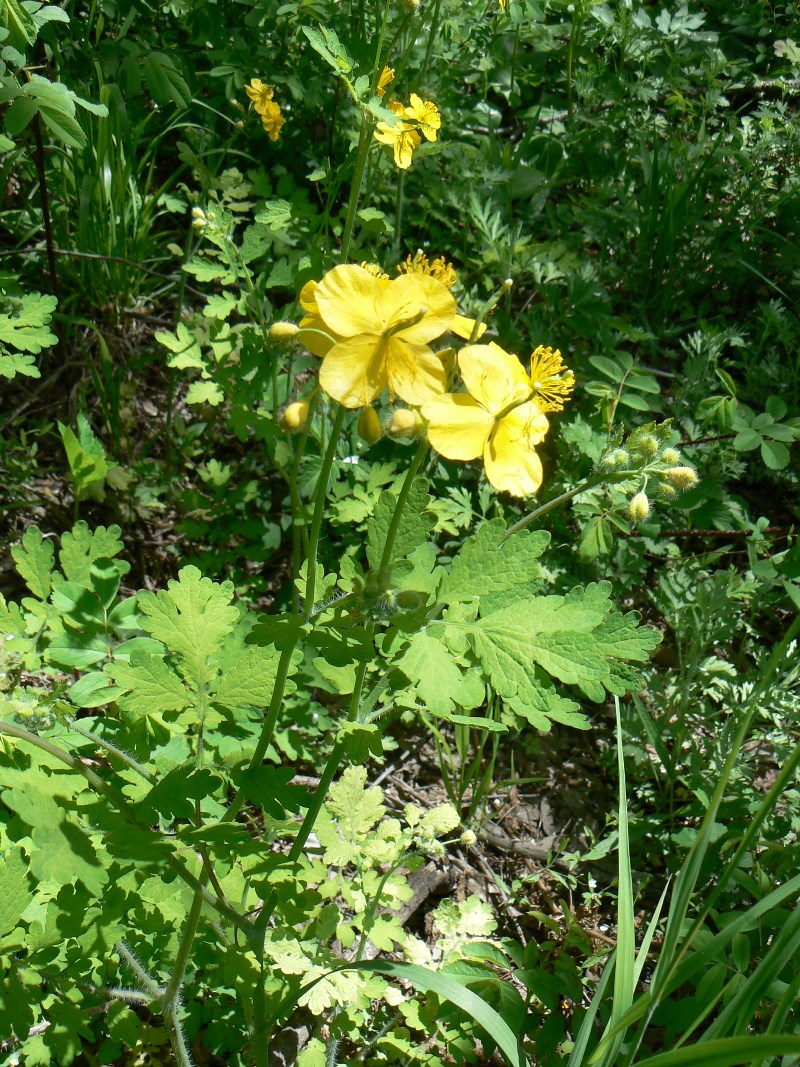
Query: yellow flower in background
385, 80
426, 115
382, 330
260, 94
552, 381
403, 139
496, 418
272, 120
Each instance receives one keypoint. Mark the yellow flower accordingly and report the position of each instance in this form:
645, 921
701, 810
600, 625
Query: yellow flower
260, 94
496, 418
402, 137
426, 115
552, 382
385, 80
272, 120
382, 331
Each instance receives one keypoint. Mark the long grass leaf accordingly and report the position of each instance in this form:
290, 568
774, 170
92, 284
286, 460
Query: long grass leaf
726, 1052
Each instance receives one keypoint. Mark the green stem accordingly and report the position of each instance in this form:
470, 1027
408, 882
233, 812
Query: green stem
319, 509
432, 32
364, 139
596, 479
397, 515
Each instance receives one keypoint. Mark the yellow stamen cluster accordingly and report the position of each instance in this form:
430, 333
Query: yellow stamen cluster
420, 264
268, 109
552, 382
375, 270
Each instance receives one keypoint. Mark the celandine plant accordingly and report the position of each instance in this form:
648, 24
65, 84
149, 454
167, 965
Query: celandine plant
156, 852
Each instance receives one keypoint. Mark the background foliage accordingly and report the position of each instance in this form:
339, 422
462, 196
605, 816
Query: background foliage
633, 168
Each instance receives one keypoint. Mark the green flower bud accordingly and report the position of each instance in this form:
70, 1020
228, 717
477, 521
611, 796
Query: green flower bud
468, 838
647, 445
639, 507
369, 426
671, 456
618, 458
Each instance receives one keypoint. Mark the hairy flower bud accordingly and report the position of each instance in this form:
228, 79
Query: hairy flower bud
468, 838
681, 477
639, 507
369, 426
405, 425
618, 458
647, 445
283, 332
294, 417
671, 456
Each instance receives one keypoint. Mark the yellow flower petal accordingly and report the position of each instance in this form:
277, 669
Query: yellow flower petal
493, 377
458, 427
347, 301
414, 372
354, 371
512, 465
404, 299
463, 327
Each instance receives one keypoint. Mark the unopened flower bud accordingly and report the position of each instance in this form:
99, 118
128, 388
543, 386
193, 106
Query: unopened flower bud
647, 445
283, 332
671, 456
666, 492
681, 477
198, 213
411, 5
294, 417
468, 838
639, 507
369, 426
405, 425
618, 458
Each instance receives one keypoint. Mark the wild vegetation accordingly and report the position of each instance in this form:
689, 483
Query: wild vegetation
399, 574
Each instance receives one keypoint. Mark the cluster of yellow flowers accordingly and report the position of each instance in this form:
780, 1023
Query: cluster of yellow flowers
269, 111
420, 117
375, 333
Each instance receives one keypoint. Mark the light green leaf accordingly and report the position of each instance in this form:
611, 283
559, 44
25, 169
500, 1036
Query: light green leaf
205, 393
415, 525
12, 365
34, 559
439, 681
252, 678
192, 617
489, 563
151, 688
81, 546
15, 890
24, 322
183, 343
85, 454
